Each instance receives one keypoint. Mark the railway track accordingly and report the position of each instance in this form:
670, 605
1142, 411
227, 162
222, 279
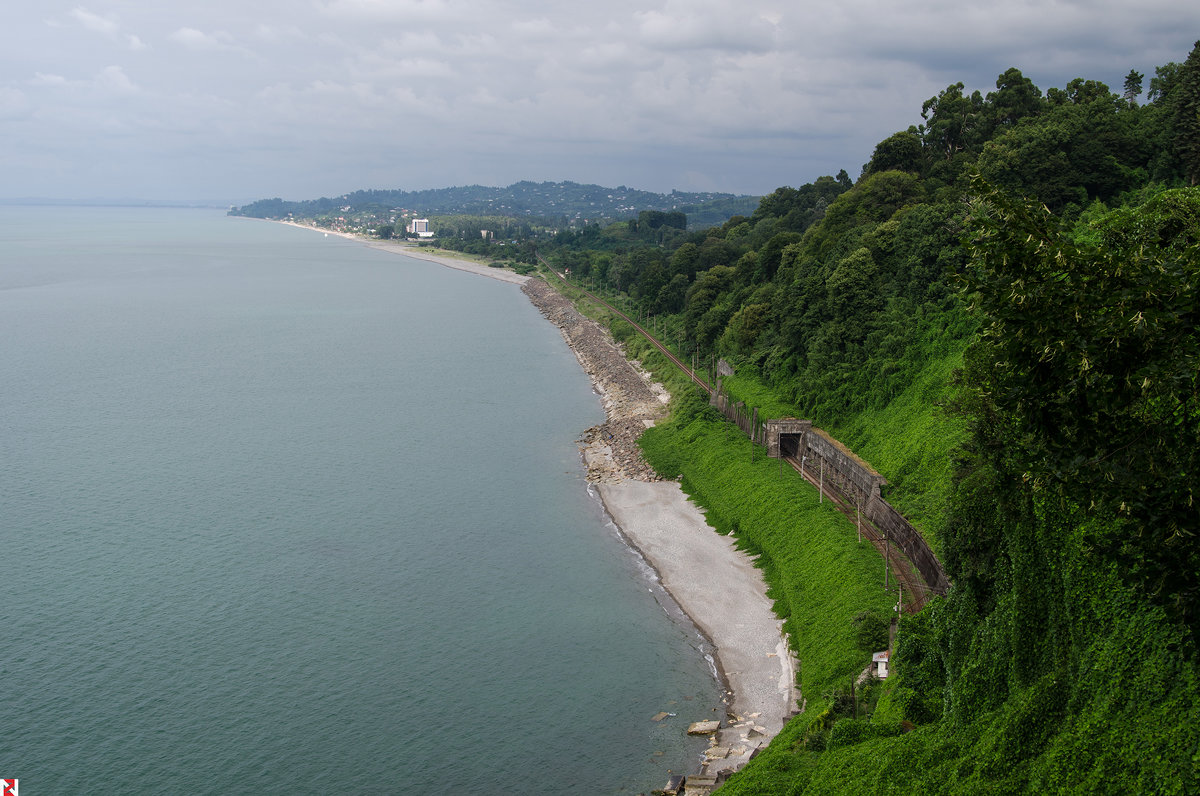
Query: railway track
900, 576
651, 338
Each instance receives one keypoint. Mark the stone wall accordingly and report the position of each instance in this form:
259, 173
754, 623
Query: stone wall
901, 533
847, 473
855, 483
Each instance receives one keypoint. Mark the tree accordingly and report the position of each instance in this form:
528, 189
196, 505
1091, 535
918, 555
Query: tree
706, 291
1186, 99
899, 152
1015, 98
685, 260
1133, 85
1082, 147
771, 254
851, 286
871, 631
954, 122
672, 295
1164, 80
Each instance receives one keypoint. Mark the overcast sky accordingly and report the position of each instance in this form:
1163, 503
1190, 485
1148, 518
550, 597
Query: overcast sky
235, 100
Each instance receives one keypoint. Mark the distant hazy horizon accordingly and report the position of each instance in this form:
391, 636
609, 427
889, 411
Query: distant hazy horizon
231, 102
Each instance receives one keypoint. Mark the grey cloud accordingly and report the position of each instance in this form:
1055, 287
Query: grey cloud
246, 100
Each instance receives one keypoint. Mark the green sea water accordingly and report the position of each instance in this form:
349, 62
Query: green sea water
280, 513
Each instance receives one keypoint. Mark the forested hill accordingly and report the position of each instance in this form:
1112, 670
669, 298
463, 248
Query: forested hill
1002, 314
562, 202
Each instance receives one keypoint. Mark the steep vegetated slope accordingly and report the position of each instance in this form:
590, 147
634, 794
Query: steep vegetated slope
1001, 315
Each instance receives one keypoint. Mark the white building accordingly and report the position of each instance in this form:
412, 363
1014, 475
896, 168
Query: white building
419, 227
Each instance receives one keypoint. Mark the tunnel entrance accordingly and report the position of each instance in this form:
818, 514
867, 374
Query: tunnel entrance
789, 445
785, 436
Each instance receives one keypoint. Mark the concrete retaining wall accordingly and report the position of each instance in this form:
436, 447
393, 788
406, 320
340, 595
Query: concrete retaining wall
856, 484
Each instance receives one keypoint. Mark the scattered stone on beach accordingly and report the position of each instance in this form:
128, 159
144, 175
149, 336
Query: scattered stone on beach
661, 715
674, 785
703, 727
700, 785
632, 401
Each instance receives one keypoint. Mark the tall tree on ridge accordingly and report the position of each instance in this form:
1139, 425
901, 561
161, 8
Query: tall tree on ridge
1133, 85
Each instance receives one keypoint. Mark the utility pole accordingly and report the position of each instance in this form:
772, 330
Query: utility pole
858, 517
887, 557
821, 488
753, 433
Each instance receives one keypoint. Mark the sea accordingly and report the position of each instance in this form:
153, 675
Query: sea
282, 513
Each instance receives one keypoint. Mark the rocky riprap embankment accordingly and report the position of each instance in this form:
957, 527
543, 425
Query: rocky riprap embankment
632, 403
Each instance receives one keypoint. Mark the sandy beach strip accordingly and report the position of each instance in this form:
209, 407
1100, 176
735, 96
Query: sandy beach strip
723, 593
470, 266
418, 253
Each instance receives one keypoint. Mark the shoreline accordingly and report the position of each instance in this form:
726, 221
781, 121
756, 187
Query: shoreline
715, 585
417, 253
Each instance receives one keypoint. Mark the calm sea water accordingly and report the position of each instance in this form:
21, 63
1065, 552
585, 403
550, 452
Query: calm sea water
280, 513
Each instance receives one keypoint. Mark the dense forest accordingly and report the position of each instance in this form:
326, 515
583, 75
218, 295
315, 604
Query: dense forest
1001, 314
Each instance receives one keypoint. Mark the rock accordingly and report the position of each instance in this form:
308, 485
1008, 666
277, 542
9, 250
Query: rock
703, 727
632, 403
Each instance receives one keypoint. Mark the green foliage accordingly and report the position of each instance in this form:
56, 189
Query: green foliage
1040, 429
1064, 658
901, 152
871, 630
1090, 359
954, 122
1186, 102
